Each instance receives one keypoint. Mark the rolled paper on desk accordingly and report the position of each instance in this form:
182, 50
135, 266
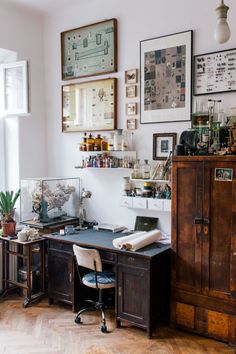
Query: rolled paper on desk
121, 241
145, 240
137, 240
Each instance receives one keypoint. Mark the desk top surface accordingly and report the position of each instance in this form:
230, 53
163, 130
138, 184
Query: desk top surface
103, 240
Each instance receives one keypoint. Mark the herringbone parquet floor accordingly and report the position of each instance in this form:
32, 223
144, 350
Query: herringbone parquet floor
51, 329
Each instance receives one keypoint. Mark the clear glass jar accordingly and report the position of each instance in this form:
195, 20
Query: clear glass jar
146, 170
118, 137
110, 143
136, 173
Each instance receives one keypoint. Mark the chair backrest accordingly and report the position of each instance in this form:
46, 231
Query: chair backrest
88, 258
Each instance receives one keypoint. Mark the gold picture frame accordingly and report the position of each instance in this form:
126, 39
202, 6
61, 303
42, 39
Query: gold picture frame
89, 106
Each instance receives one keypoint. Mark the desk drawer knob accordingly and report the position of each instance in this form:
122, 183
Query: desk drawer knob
131, 259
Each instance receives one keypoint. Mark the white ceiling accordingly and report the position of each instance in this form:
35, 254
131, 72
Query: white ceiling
42, 5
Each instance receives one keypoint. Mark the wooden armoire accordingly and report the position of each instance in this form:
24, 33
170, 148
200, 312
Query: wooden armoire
203, 291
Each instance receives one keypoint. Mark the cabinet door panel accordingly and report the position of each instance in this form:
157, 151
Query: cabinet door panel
186, 225
133, 289
218, 249
60, 275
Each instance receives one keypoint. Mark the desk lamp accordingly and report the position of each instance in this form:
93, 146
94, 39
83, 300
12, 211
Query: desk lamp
82, 212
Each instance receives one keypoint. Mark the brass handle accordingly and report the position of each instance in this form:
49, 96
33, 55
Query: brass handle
206, 223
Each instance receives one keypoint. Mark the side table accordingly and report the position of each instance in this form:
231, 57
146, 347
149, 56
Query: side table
24, 252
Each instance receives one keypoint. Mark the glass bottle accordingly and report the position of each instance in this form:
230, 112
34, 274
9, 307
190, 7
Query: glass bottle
146, 170
124, 142
136, 173
118, 136
90, 143
98, 143
110, 143
104, 144
83, 145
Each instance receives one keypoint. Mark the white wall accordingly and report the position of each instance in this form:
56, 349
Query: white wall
22, 32
136, 21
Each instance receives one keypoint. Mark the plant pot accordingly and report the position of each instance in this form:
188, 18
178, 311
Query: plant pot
8, 228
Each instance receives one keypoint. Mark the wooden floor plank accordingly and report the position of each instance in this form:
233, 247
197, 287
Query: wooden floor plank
51, 330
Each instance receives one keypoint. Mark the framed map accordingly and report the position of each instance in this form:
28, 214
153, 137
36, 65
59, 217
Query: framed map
165, 78
215, 72
89, 50
89, 106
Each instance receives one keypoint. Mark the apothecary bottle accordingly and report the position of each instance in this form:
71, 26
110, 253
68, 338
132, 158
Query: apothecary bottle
110, 143
136, 173
146, 170
98, 143
104, 144
90, 143
118, 137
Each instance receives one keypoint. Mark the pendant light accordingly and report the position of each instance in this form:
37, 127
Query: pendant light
222, 31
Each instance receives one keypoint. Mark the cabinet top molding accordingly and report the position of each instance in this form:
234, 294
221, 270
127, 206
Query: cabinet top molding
226, 158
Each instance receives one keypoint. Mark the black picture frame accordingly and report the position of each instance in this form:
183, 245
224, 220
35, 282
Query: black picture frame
175, 98
214, 72
163, 145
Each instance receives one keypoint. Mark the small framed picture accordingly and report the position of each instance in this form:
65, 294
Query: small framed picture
131, 91
131, 108
163, 145
131, 76
223, 174
131, 124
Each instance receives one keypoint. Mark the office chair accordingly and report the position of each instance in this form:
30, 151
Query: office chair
97, 279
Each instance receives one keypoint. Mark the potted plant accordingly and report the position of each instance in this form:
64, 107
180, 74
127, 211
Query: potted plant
7, 209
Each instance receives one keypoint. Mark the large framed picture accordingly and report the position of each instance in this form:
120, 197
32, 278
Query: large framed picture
163, 145
14, 92
89, 106
165, 78
89, 50
215, 72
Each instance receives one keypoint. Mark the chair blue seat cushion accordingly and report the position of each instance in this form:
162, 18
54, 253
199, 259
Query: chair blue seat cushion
105, 279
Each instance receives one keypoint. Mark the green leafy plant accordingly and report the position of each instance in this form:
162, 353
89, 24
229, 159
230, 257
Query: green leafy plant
7, 205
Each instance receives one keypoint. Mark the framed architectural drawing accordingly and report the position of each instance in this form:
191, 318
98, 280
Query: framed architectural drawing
89, 106
14, 93
163, 144
165, 78
215, 72
89, 50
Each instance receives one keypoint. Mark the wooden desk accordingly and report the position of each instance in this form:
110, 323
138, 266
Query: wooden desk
23, 251
143, 277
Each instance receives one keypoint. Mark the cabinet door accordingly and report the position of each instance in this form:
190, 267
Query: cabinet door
60, 275
133, 294
187, 225
219, 236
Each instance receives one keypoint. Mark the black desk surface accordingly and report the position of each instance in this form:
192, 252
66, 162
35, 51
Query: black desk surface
103, 240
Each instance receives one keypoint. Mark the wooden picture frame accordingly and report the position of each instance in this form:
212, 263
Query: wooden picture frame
166, 78
131, 124
79, 46
163, 145
89, 106
131, 108
215, 72
131, 76
131, 91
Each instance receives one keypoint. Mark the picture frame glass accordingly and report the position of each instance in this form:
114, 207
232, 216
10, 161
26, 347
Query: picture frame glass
165, 72
131, 76
89, 106
89, 50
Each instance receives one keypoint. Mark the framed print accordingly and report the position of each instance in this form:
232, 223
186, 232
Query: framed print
89, 50
215, 72
131, 108
224, 174
131, 124
14, 90
165, 78
163, 144
89, 106
131, 76
131, 91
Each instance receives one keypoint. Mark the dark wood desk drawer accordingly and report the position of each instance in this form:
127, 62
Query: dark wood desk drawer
109, 257
133, 260
58, 245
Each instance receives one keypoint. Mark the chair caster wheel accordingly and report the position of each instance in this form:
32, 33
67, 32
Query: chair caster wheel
104, 329
77, 320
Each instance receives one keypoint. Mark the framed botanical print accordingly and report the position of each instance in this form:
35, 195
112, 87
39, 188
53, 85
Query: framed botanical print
89, 106
165, 78
89, 50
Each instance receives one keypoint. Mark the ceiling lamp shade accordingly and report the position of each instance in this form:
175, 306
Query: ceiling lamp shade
222, 31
